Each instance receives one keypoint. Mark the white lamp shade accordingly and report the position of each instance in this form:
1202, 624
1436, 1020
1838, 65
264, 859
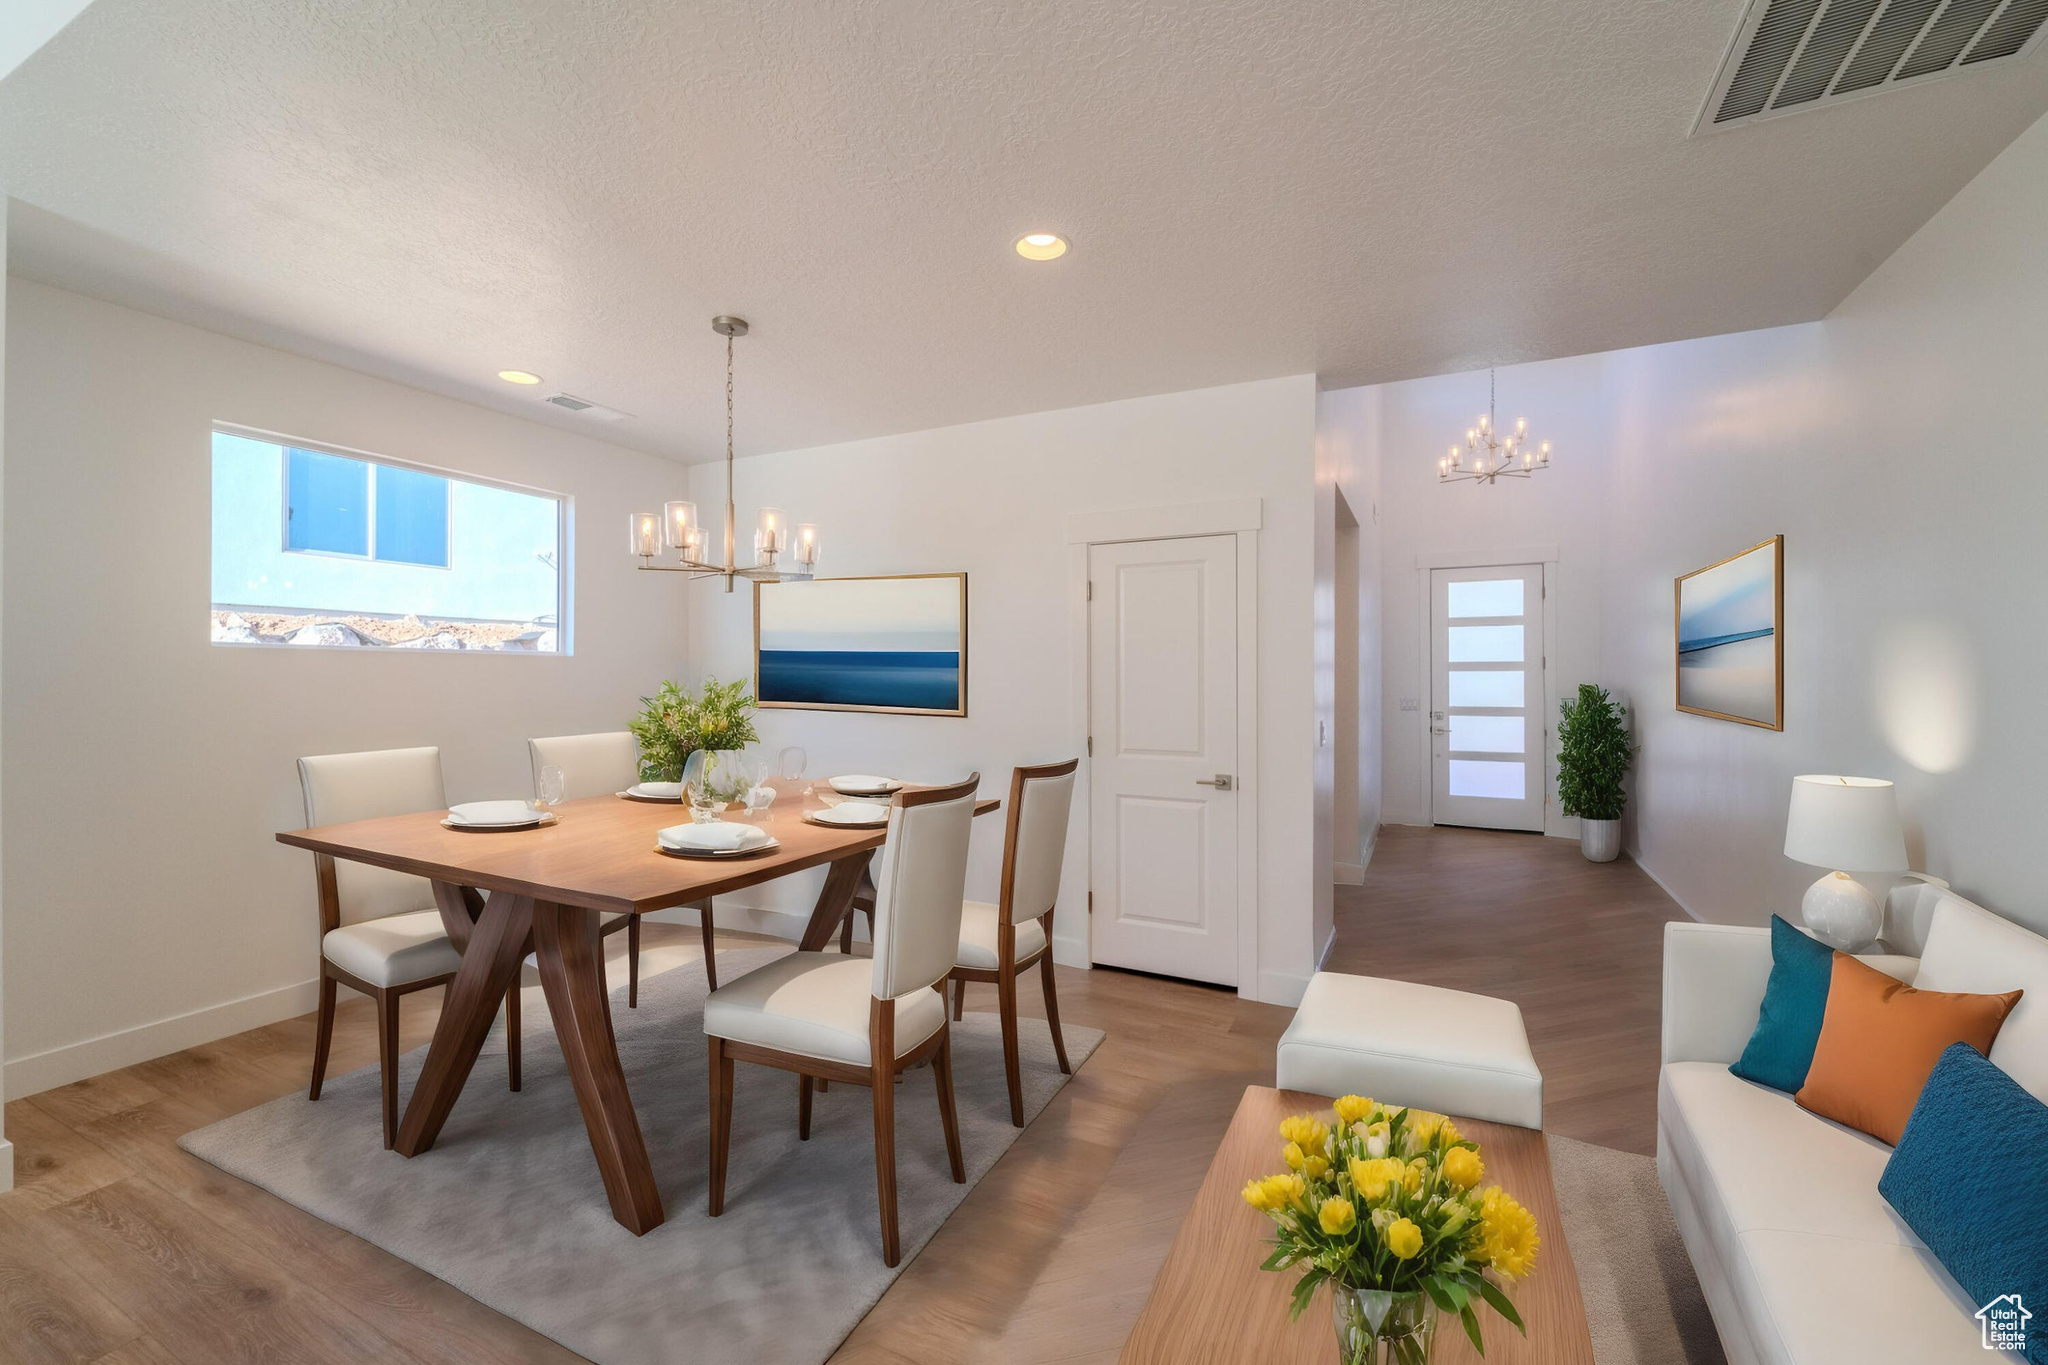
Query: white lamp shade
1849, 824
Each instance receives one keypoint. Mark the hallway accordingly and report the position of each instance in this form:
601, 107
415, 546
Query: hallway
1578, 945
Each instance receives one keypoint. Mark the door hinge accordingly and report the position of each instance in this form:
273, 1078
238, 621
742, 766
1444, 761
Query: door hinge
1091, 746
1091, 590
1091, 902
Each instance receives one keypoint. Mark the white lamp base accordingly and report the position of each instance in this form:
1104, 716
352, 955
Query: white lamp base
1843, 913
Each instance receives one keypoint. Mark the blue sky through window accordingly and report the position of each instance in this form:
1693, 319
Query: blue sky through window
365, 539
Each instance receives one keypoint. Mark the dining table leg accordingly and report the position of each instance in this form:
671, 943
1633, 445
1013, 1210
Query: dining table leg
490, 964
572, 976
835, 901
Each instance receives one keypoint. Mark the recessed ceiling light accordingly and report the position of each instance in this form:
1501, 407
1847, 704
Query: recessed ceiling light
518, 377
1041, 246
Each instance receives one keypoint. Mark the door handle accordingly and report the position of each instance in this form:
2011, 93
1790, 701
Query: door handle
1221, 782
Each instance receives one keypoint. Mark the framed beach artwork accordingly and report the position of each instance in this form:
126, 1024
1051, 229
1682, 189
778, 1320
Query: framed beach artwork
1731, 640
863, 644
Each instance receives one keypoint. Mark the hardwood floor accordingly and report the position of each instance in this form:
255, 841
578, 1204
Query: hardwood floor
1578, 945
117, 1247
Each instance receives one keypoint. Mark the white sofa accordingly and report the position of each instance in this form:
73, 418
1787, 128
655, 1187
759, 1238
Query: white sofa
1800, 1258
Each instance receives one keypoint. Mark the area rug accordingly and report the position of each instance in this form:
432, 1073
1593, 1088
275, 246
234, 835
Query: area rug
508, 1206
1643, 1301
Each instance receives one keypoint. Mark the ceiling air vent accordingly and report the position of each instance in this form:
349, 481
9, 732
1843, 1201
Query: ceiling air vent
604, 414
1790, 55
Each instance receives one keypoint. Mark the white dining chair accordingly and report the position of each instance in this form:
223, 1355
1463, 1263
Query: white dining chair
380, 932
829, 1016
602, 765
1000, 942
593, 765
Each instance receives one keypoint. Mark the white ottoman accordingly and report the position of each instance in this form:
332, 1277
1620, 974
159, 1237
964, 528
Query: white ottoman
1413, 1045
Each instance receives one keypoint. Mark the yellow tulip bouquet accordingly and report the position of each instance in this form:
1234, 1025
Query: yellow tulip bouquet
1387, 1206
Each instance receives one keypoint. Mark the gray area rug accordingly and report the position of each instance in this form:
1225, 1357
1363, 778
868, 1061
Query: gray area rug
1643, 1301
508, 1206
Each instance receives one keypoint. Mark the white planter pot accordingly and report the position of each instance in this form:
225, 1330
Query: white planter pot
1600, 840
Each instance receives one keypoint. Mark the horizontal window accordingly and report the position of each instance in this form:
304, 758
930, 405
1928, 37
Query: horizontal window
380, 555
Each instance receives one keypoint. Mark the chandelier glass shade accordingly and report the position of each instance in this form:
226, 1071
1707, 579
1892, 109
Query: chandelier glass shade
1489, 454
780, 552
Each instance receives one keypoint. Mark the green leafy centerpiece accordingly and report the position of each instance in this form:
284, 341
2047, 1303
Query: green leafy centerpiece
1386, 1206
675, 723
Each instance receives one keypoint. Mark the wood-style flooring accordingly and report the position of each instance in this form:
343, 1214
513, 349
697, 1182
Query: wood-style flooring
118, 1248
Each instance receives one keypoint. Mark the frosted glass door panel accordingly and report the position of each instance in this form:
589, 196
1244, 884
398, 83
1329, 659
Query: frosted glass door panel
1485, 644
1488, 687
1489, 741
1487, 781
1486, 597
1488, 734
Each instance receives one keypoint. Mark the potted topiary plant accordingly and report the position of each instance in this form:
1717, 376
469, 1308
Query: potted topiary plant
1593, 756
673, 724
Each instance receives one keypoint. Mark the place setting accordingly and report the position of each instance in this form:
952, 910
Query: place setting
495, 817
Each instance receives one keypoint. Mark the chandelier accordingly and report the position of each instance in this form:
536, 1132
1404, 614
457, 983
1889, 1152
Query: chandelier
1491, 455
678, 528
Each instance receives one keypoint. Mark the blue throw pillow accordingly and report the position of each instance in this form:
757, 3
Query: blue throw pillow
1780, 1052
1970, 1177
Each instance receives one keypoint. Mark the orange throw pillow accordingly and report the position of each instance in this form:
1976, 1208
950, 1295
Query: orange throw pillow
1879, 1042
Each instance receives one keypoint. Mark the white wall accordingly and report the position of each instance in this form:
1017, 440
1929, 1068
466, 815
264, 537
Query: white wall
1896, 447
1893, 444
1349, 768
6, 1147
149, 907
992, 498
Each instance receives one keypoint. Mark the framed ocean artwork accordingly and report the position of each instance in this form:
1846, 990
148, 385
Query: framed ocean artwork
1731, 639
863, 644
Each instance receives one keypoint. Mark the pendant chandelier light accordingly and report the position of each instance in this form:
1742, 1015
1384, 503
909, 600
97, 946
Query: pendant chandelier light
678, 528
1487, 455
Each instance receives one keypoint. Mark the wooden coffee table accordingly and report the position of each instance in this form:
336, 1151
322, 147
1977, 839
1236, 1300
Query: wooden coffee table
1211, 1301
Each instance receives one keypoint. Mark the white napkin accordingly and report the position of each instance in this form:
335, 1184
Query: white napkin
856, 783
492, 813
718, 836
854, 813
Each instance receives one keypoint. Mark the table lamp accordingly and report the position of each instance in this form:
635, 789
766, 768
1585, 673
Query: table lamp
1845, 824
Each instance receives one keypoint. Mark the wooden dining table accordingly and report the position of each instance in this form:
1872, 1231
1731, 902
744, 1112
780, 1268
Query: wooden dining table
504, 894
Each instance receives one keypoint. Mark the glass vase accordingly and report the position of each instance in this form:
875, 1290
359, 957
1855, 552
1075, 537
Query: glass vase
1379, 1327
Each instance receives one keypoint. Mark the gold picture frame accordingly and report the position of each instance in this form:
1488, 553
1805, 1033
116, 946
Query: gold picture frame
773, 687
1739, 677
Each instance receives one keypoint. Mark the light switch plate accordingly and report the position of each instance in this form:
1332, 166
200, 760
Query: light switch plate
1410, 704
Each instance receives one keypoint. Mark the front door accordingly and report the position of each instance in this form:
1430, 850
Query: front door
1486, 718
1163, 779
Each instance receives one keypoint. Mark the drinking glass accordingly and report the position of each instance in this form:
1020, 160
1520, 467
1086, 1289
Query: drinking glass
553, 785
707, 782
792, 763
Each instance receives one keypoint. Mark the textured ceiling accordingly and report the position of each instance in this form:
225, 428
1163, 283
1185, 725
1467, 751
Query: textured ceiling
1369, 189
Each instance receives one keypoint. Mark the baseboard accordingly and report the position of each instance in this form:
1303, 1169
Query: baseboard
1281, 988
1372, 846
1348, 874
6, 1165
1676, 899
111, 1051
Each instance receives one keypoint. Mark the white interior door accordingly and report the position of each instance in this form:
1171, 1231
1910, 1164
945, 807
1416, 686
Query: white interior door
1163, 788
1487, 725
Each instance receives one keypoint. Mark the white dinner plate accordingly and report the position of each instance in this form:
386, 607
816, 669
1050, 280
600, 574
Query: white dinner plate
863, 784
714, 839
496, 814
851, 815
656, 791
476, 815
